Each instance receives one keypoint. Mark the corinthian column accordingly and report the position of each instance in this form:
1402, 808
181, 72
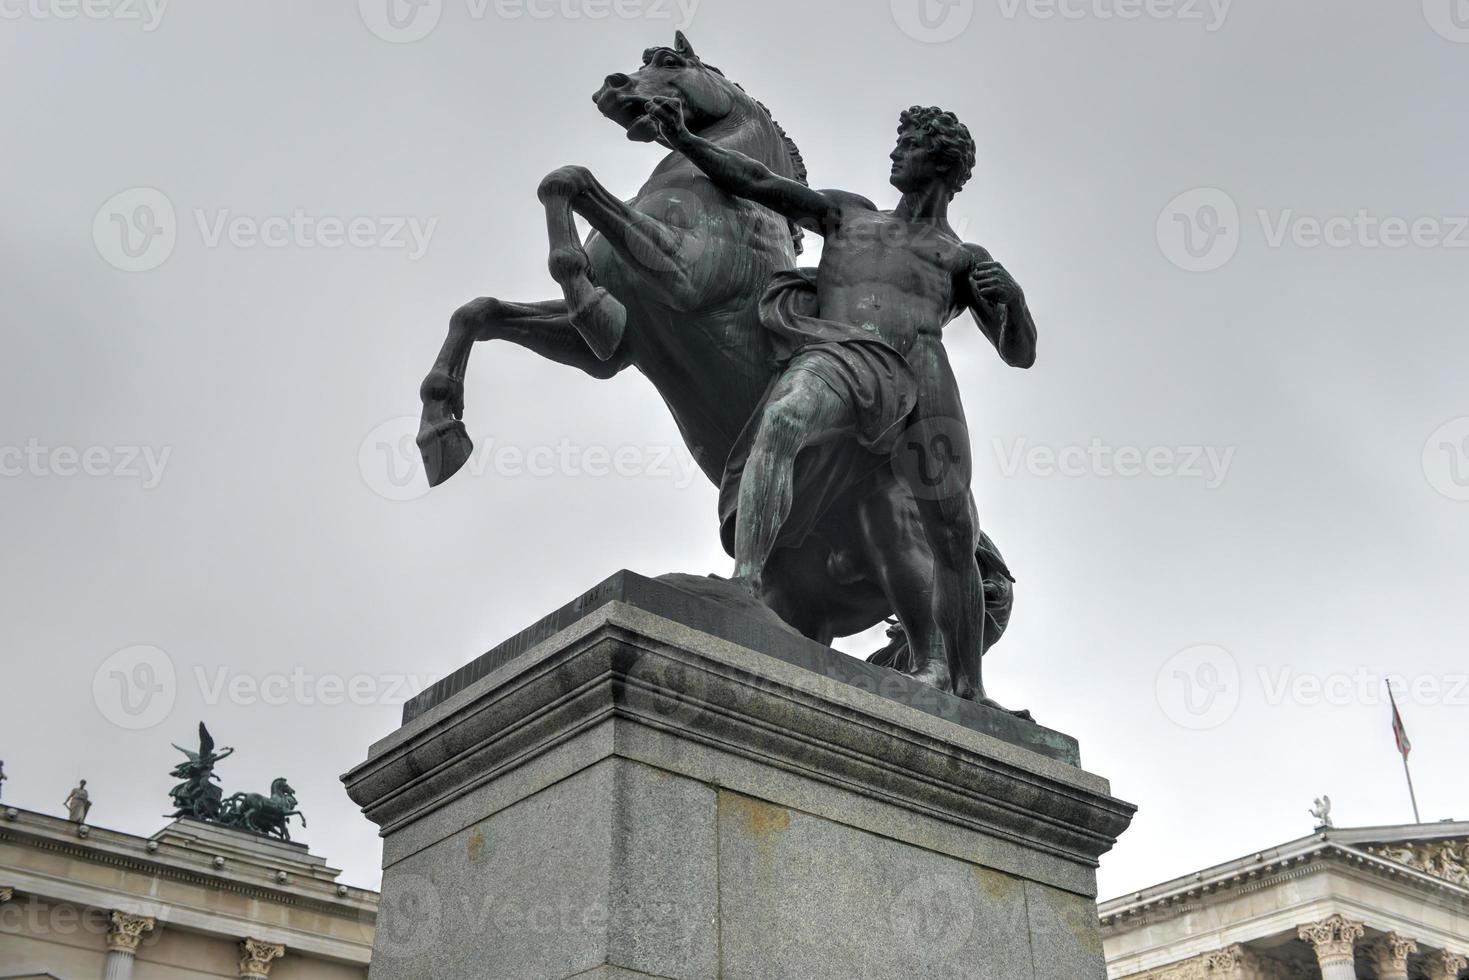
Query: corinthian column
1390, 956
1335, 941
123, 936
256, 957
1444, 965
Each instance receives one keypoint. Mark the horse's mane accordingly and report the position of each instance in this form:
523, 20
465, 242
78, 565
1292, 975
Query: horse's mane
798, 163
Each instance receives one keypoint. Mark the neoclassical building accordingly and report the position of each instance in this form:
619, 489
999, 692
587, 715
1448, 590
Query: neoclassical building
1378, 903
193, 901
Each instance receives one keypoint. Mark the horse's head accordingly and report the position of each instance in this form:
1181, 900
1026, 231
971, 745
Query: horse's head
673, 73
279, 787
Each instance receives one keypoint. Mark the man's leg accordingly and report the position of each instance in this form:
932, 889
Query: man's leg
900, 560
801, 410
946, 508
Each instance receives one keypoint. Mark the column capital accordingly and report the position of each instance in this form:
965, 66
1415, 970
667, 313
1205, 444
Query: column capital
126, 931
1390, 955
1235, 963
1443, 965
257, 956
6, 894
1334, 937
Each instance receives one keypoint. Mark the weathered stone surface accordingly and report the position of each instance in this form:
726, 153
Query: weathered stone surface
665, 874
522, 893
1064, 938
811, 898
632, 796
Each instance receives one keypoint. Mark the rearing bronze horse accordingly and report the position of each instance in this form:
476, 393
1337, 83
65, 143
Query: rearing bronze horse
669, 283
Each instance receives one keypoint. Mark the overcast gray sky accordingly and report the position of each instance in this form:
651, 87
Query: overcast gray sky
1233, 487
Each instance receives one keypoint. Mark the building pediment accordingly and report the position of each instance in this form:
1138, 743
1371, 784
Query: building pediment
1447, 858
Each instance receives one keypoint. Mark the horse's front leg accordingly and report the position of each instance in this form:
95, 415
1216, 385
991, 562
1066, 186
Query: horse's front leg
595, 313
663, 252
543, 328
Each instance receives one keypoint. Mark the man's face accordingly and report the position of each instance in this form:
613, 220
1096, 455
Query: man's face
915, 166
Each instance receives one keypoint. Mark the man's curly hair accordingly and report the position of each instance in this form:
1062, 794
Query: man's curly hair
946, 135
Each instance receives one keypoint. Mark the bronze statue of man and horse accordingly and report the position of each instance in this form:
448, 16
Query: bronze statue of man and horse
670, 283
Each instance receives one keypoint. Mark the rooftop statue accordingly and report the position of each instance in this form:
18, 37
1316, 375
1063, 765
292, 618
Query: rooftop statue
197, 797
78, 803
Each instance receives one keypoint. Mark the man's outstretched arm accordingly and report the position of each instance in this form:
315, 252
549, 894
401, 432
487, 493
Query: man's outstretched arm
998, 306
735, 173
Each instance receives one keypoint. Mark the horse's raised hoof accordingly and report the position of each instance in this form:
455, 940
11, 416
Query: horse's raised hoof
445, 447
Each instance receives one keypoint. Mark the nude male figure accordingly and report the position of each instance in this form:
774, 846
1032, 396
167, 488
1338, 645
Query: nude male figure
870, 362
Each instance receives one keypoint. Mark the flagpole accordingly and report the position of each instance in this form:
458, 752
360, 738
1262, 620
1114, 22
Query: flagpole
1411, 794
1400, 735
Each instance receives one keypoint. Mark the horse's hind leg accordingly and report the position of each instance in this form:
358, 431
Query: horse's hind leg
595, 313
543, 328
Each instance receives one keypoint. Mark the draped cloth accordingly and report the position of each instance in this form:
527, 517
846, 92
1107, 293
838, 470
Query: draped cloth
872, 378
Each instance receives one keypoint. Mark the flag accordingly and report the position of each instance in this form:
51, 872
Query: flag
1398, 731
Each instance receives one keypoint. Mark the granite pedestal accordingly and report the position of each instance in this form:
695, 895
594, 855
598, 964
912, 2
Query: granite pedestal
648, 783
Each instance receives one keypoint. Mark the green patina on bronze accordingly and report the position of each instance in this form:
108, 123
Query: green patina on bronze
198, 798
